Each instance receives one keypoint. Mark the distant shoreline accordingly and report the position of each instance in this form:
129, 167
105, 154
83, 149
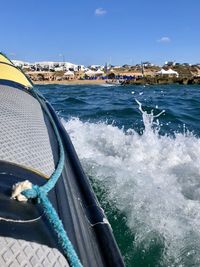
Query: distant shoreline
71, 82
139, 81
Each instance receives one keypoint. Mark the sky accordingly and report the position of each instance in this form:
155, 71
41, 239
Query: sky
99, 31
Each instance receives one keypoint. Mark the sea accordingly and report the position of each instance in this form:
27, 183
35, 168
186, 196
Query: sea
140, 147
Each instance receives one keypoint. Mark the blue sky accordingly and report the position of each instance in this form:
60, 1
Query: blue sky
99, 31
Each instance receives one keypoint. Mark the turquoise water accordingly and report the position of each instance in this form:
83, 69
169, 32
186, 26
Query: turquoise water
140, 147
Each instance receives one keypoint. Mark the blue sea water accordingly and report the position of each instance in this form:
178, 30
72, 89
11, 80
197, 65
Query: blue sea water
140, 147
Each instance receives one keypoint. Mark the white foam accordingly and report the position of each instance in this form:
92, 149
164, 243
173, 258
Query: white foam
153, 179
108, 85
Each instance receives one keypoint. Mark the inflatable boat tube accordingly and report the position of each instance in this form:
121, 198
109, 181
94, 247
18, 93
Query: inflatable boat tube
29, 150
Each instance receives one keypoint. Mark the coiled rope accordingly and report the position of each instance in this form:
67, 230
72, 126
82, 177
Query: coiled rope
40, 193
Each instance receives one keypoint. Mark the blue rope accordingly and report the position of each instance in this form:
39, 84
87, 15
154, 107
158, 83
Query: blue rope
56, 223
40, 192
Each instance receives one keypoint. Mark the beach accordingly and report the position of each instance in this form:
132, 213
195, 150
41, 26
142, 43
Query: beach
153, 75
72, 82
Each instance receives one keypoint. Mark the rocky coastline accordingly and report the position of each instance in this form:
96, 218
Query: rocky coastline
163, 80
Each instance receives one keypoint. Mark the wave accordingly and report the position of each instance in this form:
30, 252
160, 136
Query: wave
154, 180
71, 100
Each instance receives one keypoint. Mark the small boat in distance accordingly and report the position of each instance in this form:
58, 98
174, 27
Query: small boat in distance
115, 82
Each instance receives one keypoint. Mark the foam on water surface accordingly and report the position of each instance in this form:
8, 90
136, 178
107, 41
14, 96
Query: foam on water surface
154, 180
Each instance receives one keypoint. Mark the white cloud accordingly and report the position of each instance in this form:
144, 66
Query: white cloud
164, 39
100, 11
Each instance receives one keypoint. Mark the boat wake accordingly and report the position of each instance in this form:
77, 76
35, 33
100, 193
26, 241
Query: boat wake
154, 180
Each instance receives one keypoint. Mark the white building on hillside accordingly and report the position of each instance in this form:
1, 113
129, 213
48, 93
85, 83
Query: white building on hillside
49, 66
19, 63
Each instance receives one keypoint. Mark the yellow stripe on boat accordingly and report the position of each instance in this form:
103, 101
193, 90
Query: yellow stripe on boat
4, 59
12, 73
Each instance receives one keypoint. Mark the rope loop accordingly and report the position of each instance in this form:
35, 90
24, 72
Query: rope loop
32, 193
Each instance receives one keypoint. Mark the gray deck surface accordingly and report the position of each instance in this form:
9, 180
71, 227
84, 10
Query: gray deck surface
20, 253
24, 139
